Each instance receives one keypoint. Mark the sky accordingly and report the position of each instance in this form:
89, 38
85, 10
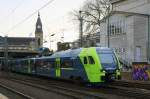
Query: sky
56, 19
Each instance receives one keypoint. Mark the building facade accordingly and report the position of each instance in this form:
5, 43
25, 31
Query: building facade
128, 35
126, 30
140, 28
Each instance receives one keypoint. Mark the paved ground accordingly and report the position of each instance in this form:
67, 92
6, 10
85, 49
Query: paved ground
3, 97
126, 75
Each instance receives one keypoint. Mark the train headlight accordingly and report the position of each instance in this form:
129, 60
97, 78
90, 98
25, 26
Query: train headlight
102, 70
117, 70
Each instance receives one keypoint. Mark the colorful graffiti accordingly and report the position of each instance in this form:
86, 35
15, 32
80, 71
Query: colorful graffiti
140, 72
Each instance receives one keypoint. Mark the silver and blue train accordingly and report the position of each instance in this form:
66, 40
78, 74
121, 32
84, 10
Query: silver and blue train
93, 65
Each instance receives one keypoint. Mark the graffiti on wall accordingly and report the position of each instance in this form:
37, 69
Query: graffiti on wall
140, 71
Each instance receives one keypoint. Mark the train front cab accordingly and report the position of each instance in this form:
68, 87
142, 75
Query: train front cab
95, 68
109, 64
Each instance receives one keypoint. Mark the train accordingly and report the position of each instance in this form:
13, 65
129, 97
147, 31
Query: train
91, 65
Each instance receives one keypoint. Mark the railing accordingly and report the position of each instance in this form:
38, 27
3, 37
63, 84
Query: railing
13, 48
126, 66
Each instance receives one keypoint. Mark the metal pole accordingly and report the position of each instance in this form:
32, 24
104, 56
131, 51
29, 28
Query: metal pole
108, 33
2, 58
108, 27
5, 53
81, 29
148, 51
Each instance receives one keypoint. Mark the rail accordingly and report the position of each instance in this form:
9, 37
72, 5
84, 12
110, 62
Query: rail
24, 96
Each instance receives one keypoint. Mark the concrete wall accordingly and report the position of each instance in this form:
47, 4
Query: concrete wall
130, 40
136, 6
141, 36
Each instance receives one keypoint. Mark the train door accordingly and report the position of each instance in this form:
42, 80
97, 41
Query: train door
32, 66
29, 66
52, 65
91, 69
89, 63
67, 69
57, 67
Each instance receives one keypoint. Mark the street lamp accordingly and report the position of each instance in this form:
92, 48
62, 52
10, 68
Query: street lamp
50, 39
45, 41
52, 34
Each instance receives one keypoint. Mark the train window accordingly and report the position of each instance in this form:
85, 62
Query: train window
66, 64
85, 60
32, 65
91, 60
24, 63
51, 64
40, 63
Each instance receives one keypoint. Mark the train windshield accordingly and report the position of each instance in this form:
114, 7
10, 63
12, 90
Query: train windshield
108, 60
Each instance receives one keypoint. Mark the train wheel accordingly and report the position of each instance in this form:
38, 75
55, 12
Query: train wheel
77, 80
71, 78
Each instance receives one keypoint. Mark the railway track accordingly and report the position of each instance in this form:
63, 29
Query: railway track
14, 94
82, 94
132, 84
136, 93
72, 93
109, 91
105, 89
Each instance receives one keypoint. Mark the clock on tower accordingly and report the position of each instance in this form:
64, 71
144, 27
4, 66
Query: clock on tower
38, 26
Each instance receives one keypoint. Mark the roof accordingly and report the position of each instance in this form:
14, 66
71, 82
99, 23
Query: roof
115, 1
20, 40
121, 12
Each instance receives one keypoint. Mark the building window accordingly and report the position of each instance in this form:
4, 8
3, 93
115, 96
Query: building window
117, 26
39, 43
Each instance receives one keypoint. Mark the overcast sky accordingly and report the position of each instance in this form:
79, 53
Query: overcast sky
55, 18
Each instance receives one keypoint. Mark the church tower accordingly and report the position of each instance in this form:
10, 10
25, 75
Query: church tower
39, 32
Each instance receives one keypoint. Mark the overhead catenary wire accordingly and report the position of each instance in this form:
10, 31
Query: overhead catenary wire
14, 9
16, 25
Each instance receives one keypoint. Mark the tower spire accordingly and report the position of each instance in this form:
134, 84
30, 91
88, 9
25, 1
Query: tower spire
38, 14
39, 32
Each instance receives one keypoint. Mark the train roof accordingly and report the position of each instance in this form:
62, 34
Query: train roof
71, 53
104, 50
67, 53
76, 52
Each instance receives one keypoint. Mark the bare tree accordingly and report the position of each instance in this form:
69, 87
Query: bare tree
92, 12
